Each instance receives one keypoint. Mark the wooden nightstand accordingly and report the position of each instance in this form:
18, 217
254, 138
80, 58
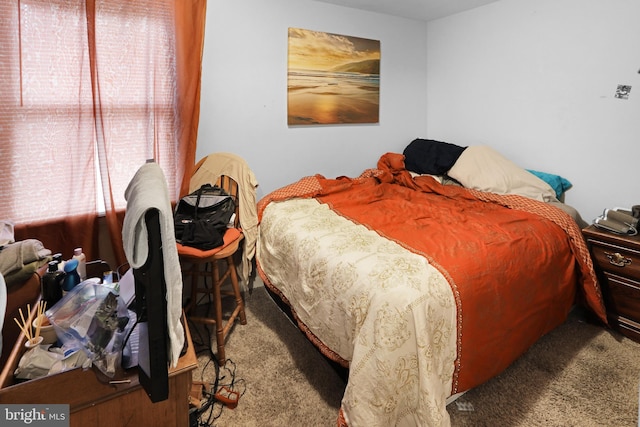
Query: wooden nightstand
616, 259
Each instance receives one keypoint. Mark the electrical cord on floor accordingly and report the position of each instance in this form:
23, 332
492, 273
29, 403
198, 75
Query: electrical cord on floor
225, 390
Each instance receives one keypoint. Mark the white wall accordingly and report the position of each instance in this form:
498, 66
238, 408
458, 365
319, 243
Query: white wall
244, 90
536, 80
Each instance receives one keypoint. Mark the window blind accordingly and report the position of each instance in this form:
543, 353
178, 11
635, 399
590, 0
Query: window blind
80, 79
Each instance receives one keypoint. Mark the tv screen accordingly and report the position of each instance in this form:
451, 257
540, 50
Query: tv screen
151, 311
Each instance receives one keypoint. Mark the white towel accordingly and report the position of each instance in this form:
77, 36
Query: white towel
6, 232
147, 190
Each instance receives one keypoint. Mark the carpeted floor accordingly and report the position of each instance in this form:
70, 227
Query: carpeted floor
286, 382
578, 375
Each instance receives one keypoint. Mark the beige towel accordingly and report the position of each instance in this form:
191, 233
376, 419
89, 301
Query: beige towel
147, 190
236, 168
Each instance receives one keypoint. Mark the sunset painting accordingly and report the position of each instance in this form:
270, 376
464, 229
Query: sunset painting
332, 79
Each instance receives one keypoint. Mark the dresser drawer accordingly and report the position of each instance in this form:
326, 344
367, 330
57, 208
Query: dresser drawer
616, 259
622, 296
628, 328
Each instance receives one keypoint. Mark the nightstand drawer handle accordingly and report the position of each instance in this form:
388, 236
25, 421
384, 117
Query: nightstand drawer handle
617, 259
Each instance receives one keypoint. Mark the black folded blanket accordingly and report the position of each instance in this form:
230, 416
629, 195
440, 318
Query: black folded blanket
427, 156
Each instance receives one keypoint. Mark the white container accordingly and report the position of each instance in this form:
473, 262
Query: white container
47, 332
82, 263
34, 342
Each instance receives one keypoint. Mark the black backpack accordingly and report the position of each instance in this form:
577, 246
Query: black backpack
201, 218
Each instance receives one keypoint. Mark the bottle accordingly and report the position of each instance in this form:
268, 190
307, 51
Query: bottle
71, 278
52, 284
82, 262
58, 259
107, 277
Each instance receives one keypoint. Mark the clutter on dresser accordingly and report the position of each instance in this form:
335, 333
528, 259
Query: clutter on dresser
41, 358
82, 262
47, 332
33, 336
619, 220
52, 284
92, 317
85, 322
61, 276
71, 276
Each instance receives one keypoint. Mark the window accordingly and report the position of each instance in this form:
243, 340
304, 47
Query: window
82, 89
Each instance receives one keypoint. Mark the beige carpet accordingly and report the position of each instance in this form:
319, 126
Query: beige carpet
578, 375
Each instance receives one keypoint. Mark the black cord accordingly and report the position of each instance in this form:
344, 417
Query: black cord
225, 376
197, 414
212, 408
119, 268
212, 402
124, 343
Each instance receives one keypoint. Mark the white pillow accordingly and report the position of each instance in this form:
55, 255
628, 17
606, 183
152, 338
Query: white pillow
482, 168
436, 177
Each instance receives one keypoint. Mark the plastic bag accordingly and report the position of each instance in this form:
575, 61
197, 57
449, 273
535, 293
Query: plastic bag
93, 317
43, 360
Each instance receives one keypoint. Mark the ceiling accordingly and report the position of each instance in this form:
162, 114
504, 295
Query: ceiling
423, 10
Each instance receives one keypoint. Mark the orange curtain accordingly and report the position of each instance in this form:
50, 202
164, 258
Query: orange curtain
190, 27
189, 41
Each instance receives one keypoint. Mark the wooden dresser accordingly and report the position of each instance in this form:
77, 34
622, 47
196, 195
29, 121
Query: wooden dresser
94, 401
616, 259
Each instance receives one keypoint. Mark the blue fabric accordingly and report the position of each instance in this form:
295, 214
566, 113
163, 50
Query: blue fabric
558, 183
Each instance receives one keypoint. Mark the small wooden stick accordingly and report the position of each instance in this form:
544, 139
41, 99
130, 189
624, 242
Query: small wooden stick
29, 317
26, 330
44, 308
28, 324
39, 319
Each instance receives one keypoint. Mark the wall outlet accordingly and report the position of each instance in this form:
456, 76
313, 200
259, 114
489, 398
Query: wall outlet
623, 91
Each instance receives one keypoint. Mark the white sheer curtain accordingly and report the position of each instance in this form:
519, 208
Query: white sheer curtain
46, 126
80, 78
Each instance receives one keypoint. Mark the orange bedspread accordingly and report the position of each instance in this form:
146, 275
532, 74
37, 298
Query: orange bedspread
494, 250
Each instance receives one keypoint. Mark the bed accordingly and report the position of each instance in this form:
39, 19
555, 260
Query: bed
423, 290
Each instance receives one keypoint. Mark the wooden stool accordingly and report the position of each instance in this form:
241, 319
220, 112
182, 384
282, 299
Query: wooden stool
201, 260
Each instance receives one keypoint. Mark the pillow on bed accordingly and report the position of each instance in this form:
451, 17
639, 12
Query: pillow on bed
427, 156
436, 177
482, 168
558, 183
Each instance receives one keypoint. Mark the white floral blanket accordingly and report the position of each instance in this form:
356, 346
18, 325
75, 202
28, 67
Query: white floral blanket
379, 306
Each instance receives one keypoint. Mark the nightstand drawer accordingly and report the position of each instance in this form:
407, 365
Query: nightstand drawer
623, 296
628, 328
616, 259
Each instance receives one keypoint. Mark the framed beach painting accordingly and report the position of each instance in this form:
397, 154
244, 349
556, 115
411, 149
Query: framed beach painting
332, 79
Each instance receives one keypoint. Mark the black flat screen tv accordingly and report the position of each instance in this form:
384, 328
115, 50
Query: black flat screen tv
151, 311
